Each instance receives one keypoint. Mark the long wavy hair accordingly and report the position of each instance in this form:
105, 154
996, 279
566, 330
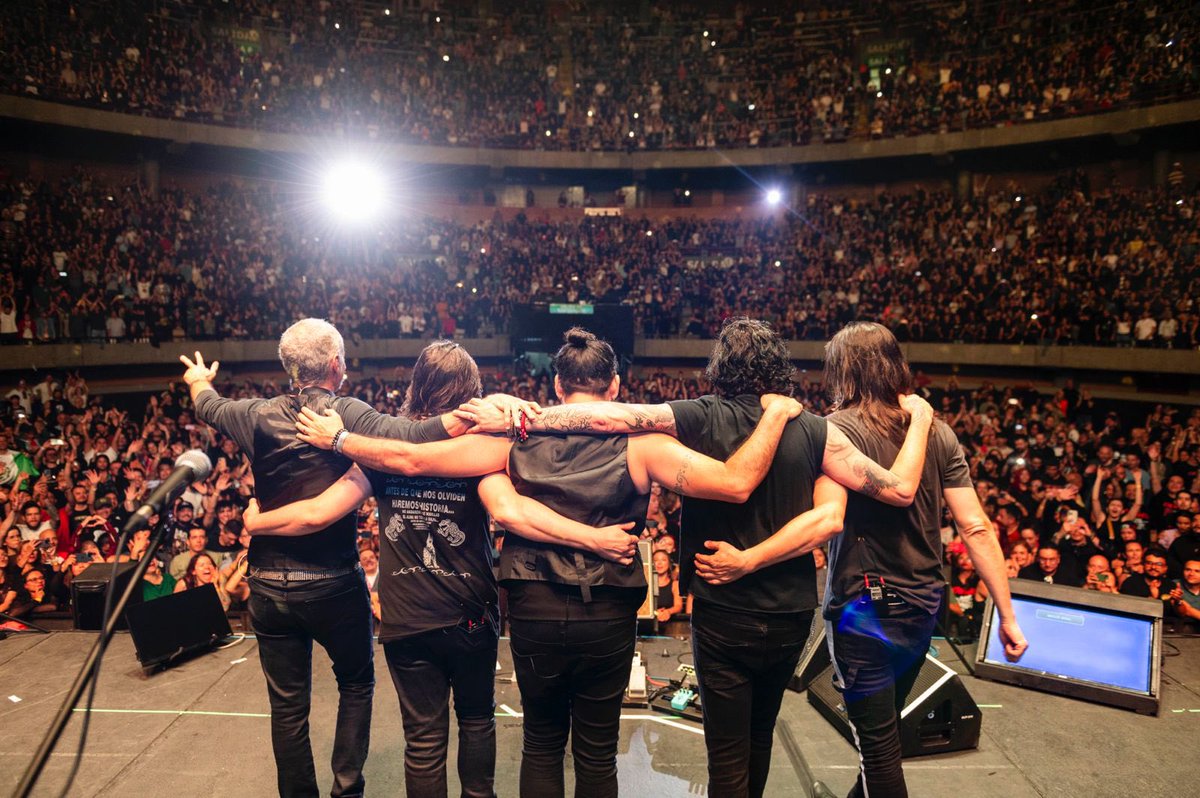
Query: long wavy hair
865, 369
749, 358
444, 377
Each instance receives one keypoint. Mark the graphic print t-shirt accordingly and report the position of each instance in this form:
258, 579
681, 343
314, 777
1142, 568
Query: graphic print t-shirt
435, 554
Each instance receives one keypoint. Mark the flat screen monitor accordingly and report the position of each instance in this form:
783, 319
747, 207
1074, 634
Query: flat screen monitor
1082, 643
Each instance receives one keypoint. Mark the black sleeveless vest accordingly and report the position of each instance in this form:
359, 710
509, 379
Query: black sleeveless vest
288, 470
585, 478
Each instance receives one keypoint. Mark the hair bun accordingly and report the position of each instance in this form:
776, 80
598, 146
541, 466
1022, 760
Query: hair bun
579, 337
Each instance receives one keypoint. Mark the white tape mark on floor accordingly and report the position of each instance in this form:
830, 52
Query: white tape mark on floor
508, 712
25, 754
176, 712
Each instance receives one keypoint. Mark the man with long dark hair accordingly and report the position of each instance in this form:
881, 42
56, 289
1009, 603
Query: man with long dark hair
885, 568
748, 634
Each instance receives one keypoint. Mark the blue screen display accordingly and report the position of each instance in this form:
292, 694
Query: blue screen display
1078, 643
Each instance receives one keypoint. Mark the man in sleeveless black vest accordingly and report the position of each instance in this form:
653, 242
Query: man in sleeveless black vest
312, 587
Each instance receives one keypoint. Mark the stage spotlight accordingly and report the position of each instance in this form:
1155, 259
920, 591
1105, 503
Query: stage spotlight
774, 196
354, 192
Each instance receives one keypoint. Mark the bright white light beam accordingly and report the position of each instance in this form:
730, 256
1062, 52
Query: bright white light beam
353, 192
774, 196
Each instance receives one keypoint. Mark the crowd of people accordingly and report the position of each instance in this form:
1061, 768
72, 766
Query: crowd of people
1071, 264
1079, 494
574, 76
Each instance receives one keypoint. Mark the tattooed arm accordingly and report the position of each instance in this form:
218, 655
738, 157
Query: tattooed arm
585, 417
671, 464
853, 469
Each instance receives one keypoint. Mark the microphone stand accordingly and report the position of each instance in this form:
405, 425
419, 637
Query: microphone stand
87, 672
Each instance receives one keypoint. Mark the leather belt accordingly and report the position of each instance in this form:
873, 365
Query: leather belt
300, 574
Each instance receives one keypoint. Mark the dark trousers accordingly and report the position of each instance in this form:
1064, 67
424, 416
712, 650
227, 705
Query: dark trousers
572, 676
287, 618
743, 663
877, 656
424, 669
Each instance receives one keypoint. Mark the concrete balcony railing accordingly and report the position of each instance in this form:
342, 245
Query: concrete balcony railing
180, 132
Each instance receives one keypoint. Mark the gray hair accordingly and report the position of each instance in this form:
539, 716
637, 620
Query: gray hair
306, 348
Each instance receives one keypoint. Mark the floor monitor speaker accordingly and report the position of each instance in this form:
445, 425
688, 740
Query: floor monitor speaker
939, 716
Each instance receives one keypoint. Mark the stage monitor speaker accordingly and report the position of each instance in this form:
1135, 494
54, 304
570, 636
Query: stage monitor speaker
87, 594
1082, 643
178, 625
939, 716
815, 657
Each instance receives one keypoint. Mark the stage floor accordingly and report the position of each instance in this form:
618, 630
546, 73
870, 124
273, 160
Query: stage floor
202, 728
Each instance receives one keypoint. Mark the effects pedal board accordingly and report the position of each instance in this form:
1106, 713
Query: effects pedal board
683, 701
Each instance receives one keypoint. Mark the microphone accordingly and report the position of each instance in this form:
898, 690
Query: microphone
191, 466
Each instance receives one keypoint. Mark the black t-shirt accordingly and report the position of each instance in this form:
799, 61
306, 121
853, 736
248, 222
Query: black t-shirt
717, 427
435, 554
901, 544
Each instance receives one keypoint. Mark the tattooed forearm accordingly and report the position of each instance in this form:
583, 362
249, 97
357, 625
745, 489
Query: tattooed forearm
607, 417
565, 419
875, 480
681, 478
649, 418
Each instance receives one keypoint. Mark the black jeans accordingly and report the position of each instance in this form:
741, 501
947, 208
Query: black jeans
877, 656
287, 618
424, 668
572, 676
743, 662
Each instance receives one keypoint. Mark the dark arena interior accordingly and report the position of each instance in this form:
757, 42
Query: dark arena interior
986, 207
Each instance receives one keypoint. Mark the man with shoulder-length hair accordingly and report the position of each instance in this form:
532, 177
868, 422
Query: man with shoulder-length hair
751, 621
312, 587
